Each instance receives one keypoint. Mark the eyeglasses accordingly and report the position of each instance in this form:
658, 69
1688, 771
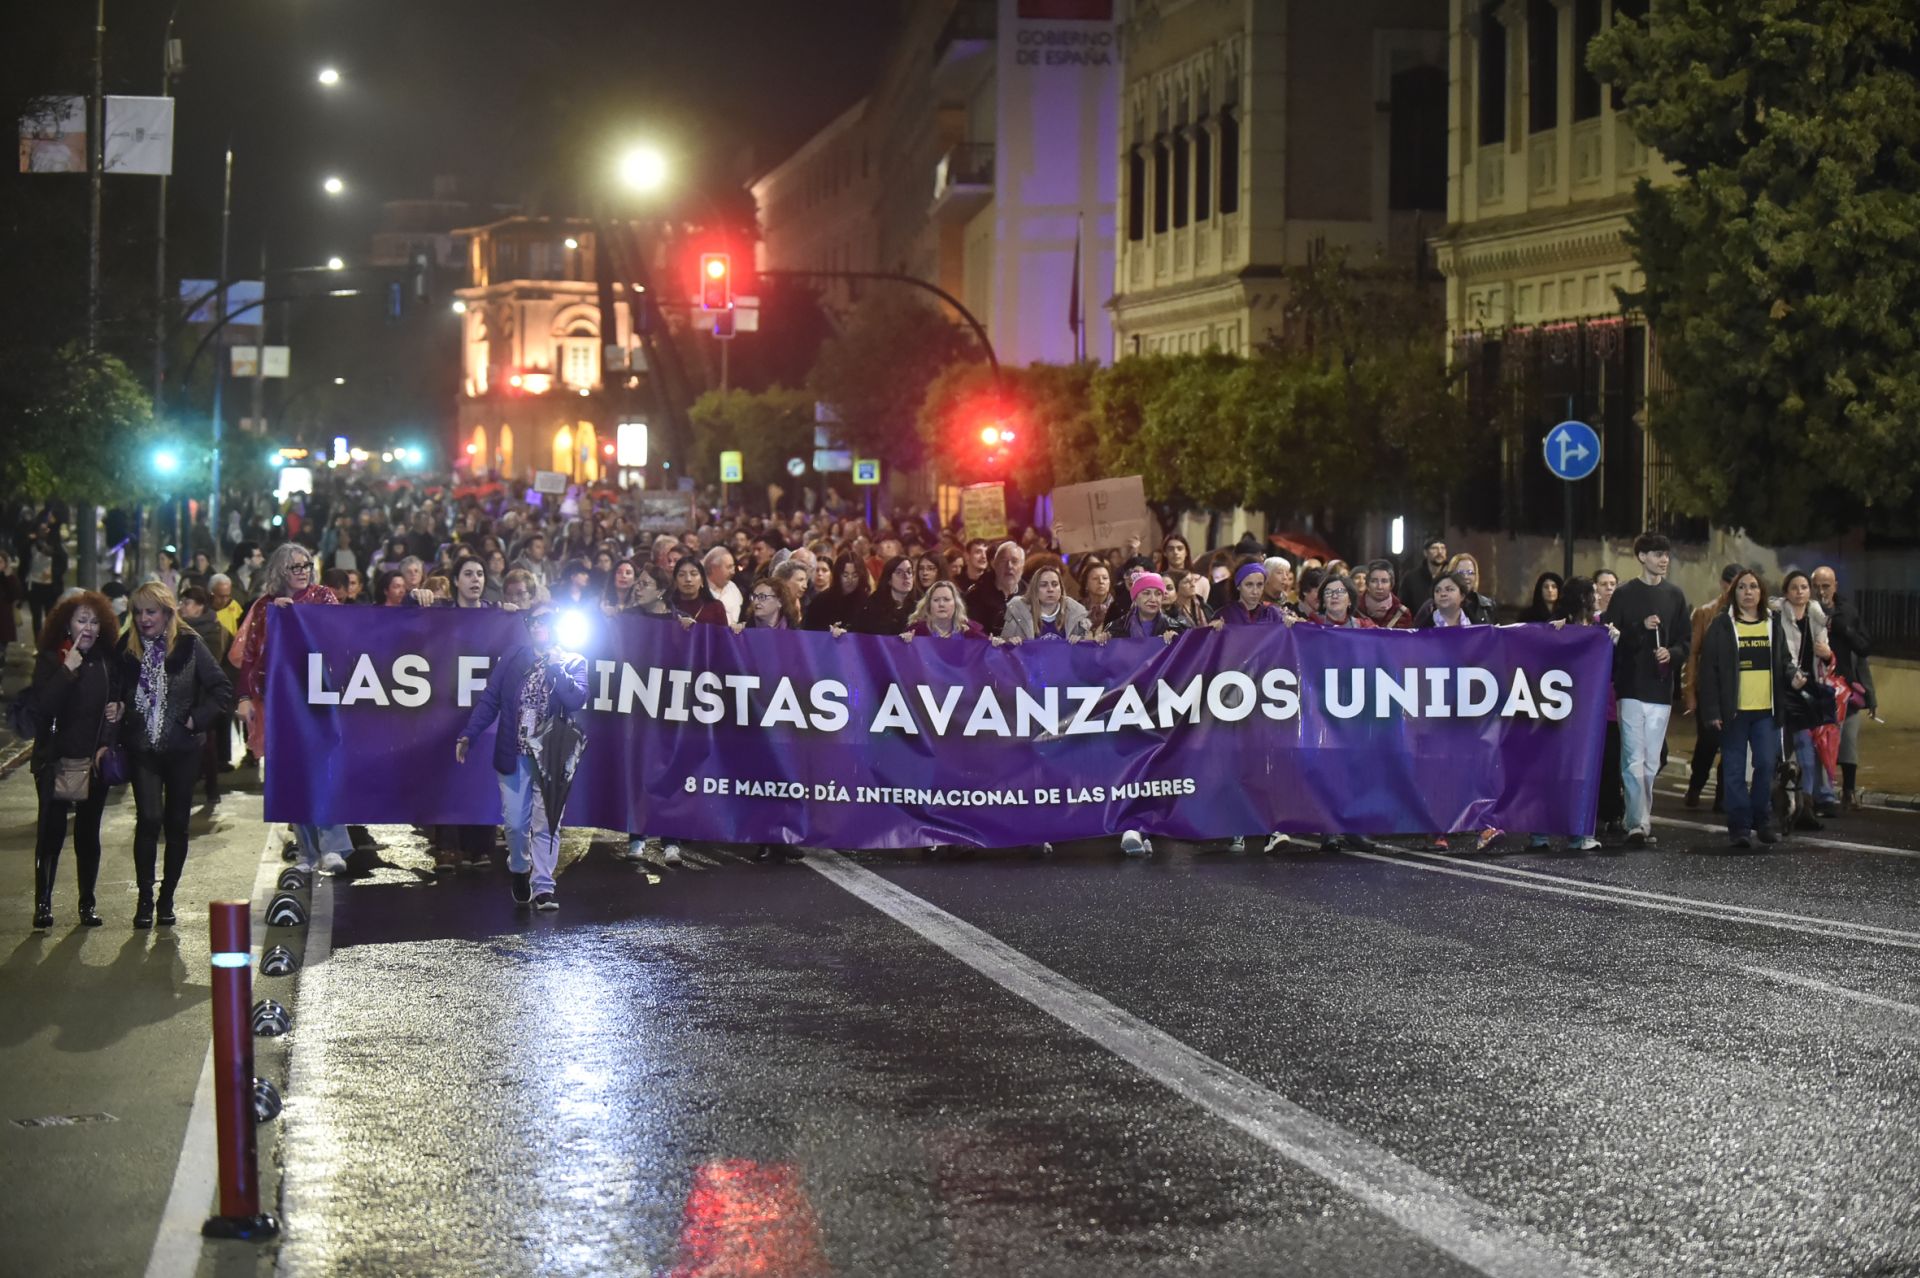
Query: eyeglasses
300, 565
760, 596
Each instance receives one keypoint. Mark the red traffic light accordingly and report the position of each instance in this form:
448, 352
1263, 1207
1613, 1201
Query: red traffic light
716, 281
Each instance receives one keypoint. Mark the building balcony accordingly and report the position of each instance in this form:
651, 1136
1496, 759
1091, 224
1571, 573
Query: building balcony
962, 53
962, 182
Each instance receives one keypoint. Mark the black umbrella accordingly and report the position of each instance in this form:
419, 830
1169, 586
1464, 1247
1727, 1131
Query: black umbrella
557, 745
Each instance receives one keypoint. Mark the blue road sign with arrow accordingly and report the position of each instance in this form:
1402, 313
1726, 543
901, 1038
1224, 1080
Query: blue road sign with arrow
1573, 450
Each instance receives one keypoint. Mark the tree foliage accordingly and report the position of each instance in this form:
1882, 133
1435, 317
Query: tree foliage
877, 371
1781, 280
1045, 405
766, 427
77, 427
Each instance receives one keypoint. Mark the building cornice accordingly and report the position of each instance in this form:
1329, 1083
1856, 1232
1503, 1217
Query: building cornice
1590, 234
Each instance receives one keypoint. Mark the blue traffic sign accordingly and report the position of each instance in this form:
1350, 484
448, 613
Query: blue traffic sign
1573, 450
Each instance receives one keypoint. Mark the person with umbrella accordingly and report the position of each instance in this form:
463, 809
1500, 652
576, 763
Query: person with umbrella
533, 692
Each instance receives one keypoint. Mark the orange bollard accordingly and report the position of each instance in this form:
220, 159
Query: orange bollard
240, 1215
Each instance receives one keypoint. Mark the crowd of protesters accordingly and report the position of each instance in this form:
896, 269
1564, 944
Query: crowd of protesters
163, 672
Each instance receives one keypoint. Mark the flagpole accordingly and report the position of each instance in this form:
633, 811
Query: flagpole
1080, 283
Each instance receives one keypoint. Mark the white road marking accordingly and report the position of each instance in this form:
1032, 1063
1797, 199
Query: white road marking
1719, 906
1719, 913
301, 1146
1465, 1228
1858, 996
196, 1176
1812, 840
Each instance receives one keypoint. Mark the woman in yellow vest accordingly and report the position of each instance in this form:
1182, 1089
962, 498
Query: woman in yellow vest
1745, 677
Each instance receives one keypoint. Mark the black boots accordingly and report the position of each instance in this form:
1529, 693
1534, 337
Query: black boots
42, 913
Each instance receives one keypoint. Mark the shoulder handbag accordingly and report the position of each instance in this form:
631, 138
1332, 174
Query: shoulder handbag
72, 780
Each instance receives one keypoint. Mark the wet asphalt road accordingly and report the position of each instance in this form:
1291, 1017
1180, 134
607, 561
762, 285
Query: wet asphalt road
733, 1068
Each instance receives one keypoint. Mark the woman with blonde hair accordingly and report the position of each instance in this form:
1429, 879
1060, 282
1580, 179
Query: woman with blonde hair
942, 614
1045, 611
175, 691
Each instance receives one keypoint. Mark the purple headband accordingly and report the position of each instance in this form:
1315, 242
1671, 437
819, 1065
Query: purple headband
1247, 570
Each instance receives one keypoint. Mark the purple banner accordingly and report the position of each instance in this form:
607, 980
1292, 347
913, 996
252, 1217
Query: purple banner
874, 742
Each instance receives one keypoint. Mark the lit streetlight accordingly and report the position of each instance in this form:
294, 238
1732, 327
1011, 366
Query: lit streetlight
336, 264
333, 186
459, 306
329, 76
339, 381
572, 243
166, 461
643, 168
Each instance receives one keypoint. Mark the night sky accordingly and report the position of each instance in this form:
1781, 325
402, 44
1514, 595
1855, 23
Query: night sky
524, 102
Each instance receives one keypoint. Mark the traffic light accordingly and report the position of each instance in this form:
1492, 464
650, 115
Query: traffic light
716, 281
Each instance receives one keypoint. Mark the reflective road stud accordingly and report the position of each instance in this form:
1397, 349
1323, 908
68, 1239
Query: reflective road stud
233, 1082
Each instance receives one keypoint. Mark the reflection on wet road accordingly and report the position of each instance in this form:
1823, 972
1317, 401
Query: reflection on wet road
1198, 1064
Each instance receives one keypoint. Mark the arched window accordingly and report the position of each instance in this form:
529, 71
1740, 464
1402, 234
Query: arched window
563, 450
506, 450
477, 456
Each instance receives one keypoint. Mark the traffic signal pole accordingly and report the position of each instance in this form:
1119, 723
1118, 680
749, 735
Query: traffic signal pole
894, 277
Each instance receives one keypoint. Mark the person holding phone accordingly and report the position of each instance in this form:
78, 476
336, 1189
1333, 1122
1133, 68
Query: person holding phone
73, 710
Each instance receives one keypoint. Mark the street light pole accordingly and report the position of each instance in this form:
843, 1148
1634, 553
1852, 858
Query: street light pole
160, 307
96, 162
220, 366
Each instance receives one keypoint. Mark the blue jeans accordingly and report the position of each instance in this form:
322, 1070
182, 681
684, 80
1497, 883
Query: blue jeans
1814, 780
524, 814
1750, 733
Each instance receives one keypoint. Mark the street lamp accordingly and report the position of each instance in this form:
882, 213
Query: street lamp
643, 168
336, 264
166, 461
329, 76
333, 186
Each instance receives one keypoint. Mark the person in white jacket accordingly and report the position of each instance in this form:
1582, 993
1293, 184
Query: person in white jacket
1045, 612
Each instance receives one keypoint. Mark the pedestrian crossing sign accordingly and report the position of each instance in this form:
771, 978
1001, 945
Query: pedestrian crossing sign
866, 470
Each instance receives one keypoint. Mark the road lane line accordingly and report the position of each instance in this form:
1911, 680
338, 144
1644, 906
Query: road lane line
1859, 996
1719, 914
1812, 840
1463, 1227
1497, 868
196, 1174
300, 1145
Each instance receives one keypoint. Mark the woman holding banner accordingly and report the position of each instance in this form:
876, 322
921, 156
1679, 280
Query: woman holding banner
942, 614
1045, 612
1249, 607
1336, 607
841, 605
286, 579
1149, 615
691, 601
533, 687
471, 845
891, 608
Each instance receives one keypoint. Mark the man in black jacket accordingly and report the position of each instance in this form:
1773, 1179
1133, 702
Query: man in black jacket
987, 599
1848, 639
1651, 615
